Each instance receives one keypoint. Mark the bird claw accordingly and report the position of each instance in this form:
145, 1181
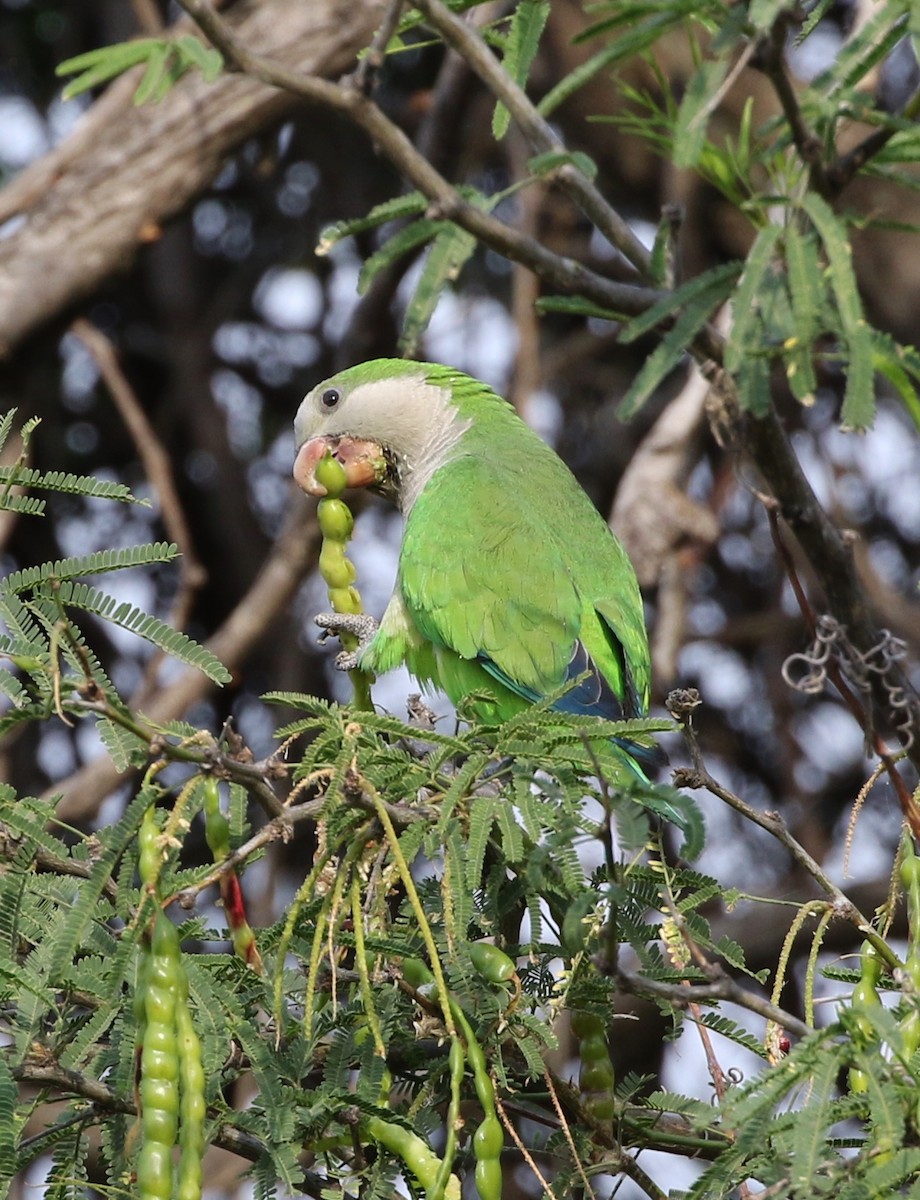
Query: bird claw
346, 660
359, 625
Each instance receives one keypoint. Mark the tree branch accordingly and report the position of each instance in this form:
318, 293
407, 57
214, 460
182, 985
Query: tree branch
73, 1083
291, 557
537, 130
89, 205
722, 987
563, 273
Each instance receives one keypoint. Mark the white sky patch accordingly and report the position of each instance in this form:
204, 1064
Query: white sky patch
475, 334
243, 405
685, 1069
80, 373
815, 466
63, 116
724, 679
23, 134
341, 291
873, 845
290, 298
544, 415
55, 754
816, 53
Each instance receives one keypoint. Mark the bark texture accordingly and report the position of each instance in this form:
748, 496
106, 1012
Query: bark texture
80, 213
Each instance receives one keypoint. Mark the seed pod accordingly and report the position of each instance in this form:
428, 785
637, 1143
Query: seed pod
330, 474
192, 1103
864, 999
338, 572
493, 964
335, 519
910, 881
596, 1079
159, 1087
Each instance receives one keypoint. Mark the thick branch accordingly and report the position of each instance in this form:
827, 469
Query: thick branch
88, 206
722, 987
67, 1082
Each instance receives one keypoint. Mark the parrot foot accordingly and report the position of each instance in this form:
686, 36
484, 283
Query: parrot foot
360, 625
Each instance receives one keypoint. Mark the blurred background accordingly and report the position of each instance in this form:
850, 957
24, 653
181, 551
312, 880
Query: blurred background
224, 316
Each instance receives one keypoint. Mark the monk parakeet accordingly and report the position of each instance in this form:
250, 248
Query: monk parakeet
510, 584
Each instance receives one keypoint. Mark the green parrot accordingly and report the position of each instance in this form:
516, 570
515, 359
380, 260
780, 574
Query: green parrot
510, 583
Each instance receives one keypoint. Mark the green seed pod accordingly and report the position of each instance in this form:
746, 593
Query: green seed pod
416, 973
488, 1178
493, 964
160, 1125
155, 1172
587, 1024
216, 825
150, 856
865, 998
601, 1108
910, 870
192, 1105
489, 1138
335, 520
330, 474
596, 1078
160, 1040
160, 1066
335, 568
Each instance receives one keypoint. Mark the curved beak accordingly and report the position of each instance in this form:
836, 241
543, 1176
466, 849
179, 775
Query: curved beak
364, 462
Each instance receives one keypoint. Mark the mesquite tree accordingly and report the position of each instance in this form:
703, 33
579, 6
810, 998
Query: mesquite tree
474, 923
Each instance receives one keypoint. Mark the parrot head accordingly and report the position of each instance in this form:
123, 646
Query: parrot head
388, 424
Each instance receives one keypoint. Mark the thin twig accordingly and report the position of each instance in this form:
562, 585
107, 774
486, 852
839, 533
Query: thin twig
539, 133
365, 76
772, 822
562, 272
522, 1149
721, 987
158, 468
772, 62
567, 1134
848, 165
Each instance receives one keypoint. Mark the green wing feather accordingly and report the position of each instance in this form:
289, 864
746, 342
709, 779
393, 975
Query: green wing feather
469, 585
507, 571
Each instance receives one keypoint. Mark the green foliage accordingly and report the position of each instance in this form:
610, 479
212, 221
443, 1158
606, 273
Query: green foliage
521, 45
371, 1025
449, 249
165, 61
51, 663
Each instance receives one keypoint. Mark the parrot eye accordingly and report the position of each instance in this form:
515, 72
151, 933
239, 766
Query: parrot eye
330, 398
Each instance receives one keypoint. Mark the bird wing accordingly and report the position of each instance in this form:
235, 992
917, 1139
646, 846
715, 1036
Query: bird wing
481, 577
